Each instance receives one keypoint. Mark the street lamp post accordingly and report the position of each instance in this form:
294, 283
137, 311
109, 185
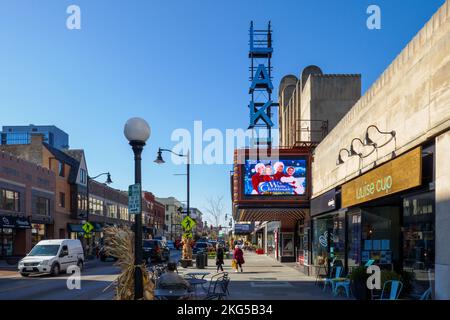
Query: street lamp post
160, 160
137, 131
88, 209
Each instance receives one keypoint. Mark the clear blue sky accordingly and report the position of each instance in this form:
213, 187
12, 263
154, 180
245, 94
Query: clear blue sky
174, 62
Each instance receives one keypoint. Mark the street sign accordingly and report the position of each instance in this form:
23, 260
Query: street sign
187, 235
134, 198
188, 223
87, 227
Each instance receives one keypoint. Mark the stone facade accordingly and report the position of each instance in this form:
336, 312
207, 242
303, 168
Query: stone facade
411, 97
314, 104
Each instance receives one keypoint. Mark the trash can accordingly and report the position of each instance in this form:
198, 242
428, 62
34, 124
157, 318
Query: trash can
200, 260
206, 258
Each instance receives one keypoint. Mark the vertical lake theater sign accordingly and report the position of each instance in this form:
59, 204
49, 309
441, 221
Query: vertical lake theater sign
400, 174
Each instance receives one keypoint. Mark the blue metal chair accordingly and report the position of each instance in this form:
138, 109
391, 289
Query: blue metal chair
426, 295
395, 289
331, 281
345, 284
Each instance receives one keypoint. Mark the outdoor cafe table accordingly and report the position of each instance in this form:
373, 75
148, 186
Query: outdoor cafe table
194, 282
194, 275
170, 294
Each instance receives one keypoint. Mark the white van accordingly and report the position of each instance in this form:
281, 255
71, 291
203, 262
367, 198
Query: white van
52, 256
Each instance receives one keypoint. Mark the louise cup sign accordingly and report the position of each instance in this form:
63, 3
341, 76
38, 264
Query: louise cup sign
400, 174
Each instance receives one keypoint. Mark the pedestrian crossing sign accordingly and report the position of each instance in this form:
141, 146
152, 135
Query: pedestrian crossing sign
87, 227
188, 223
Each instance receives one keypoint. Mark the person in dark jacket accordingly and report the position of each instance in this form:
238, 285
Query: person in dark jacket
238, 255
219, 257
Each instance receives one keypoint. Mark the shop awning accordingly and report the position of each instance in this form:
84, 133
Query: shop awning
72, 227
14, 222
97, 227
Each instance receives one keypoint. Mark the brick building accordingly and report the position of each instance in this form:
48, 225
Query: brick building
154, 214
27, 205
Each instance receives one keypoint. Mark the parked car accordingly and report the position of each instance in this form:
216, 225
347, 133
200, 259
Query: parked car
52, 256
155, 250
161, 238
170, 245
202, 246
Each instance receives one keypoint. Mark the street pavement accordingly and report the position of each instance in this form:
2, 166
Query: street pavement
263, 279
96, 277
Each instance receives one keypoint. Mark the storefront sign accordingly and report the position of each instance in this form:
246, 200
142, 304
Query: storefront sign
400, 174
14, 222
324, 203
243, 228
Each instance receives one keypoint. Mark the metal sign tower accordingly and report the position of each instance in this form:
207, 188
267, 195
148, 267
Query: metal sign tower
261, 87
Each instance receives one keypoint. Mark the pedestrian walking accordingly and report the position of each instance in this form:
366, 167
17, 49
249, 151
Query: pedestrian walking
238, 255
219, 257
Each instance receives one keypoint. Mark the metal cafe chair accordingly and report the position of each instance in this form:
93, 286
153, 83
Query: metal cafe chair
218, 287
395, 287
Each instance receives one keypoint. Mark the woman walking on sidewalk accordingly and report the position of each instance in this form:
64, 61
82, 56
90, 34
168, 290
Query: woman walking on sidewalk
219, 257
238, 255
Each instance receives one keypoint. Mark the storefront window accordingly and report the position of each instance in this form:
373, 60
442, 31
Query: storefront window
329, 240
380, 240
37, 233
354, 240
419, 238
271, 243
7, 244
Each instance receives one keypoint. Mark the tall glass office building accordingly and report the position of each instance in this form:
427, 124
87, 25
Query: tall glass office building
54, 136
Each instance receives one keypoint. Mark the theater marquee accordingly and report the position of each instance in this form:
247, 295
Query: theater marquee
400, 174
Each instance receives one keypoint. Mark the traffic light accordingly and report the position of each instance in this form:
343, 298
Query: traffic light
220, 227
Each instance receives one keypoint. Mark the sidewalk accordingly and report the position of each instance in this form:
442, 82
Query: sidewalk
265, 278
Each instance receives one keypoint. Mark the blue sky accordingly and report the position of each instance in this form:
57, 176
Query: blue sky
174, 62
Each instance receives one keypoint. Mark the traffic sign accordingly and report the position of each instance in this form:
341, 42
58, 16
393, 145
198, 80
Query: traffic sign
187, 235
88, 235
188, 223
134, 199
87, 227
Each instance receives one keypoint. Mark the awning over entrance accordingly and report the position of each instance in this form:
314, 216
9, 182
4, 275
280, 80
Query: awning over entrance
14, 222
72, 227
270, 214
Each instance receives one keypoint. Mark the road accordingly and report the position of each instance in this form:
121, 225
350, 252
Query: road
95, 279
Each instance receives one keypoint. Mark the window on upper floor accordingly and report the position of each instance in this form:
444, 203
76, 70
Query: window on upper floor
61, 168
43, 206
112, 210
123, 213
83, 176
9, 200
96, 206
62, 199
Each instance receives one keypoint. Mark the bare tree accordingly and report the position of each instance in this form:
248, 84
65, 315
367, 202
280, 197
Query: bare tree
215, 209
